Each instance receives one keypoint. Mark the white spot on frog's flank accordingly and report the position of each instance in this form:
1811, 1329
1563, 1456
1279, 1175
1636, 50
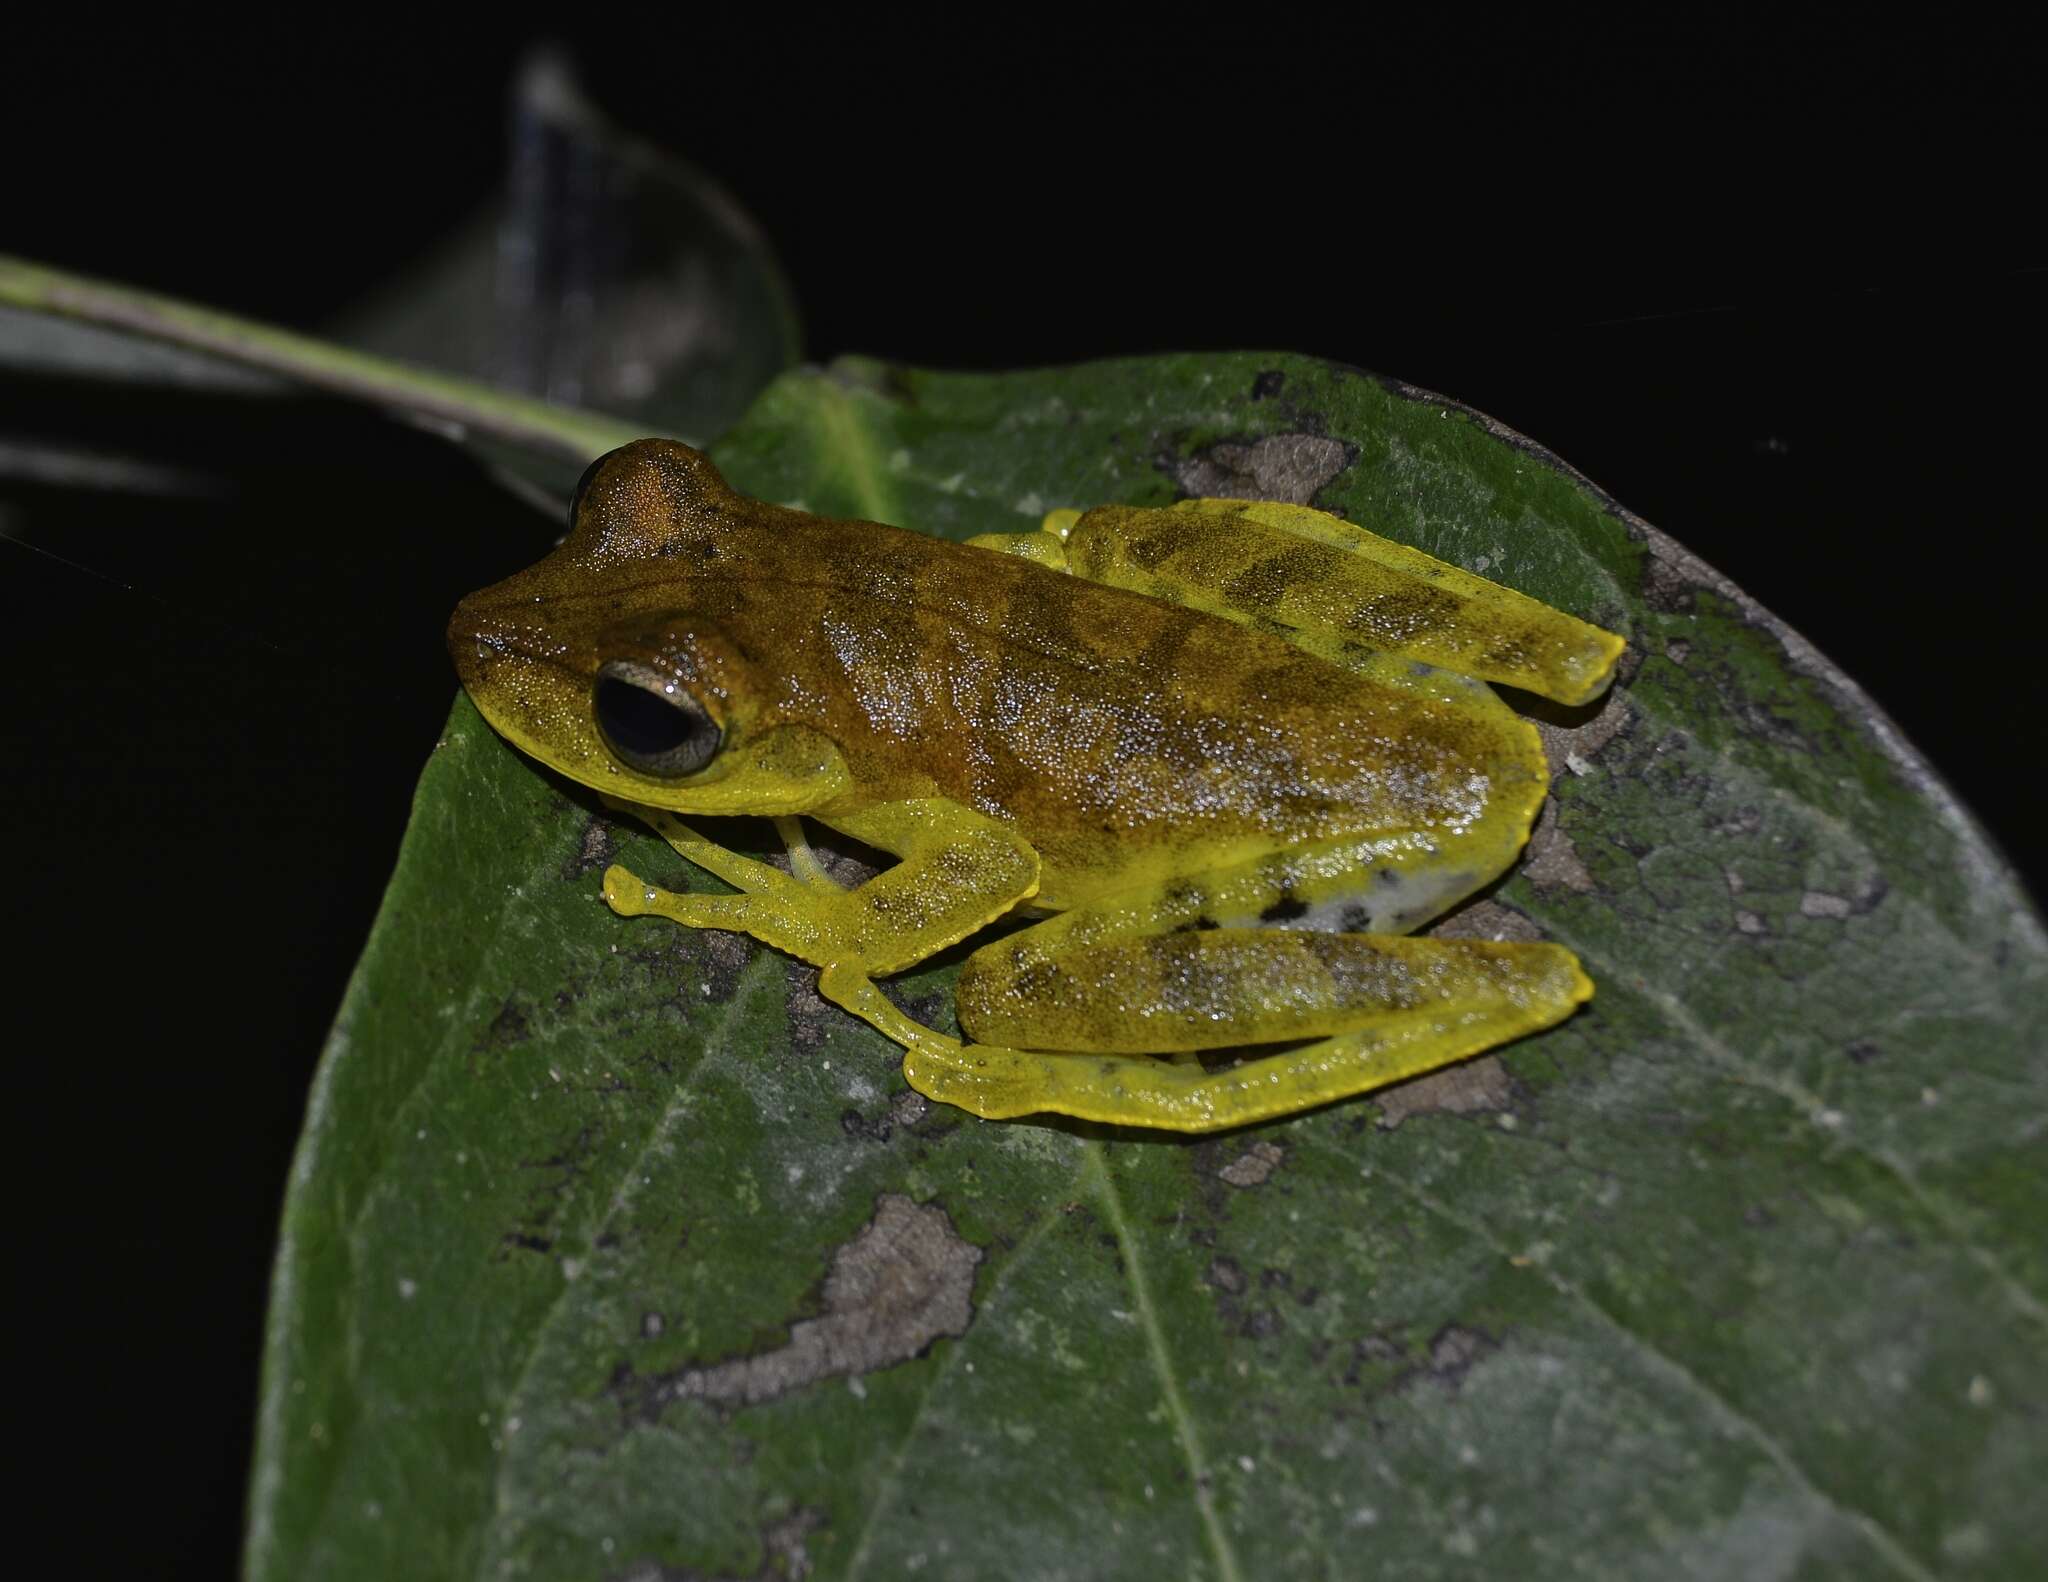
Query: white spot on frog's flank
795, 1174
1506, 1123
1817, 903
1246, 1464
857, 1388
1467, 1456
1981, 1393
1364, 1516
1749, 923
899, 460
1482, 563
1030, 505
1577, 765
953, 484
572, 1268
1831, 1119
372, 1509
408, 1289
1462, 1544
1734, 880
1929, 1096
1121, 1316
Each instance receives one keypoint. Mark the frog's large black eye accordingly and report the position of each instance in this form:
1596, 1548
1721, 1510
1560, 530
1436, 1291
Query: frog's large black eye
650, 723
583, 487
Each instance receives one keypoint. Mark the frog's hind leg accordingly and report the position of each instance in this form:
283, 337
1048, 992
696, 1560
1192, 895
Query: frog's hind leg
1338, 590
1309, 944
1388, 1007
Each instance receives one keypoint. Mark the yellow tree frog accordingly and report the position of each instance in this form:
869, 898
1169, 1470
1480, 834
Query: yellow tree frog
1237, 751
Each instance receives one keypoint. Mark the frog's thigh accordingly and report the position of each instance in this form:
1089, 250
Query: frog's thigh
1217, 988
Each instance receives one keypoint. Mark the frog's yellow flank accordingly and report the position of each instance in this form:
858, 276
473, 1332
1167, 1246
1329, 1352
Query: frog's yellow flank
1239, 750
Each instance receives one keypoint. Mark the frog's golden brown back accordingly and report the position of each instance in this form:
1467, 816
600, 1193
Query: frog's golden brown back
1111, 727
1102, 722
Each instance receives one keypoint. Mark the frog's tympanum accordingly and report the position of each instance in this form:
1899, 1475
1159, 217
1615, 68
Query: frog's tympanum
1236, 751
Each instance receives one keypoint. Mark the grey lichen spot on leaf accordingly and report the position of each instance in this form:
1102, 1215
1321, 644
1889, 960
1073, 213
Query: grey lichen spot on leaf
1815, 903
908, 1108
1453, 1351
1252, 1167
595, 852
1291, 468
903, 1282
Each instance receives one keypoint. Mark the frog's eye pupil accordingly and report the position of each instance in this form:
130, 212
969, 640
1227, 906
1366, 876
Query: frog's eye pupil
651, 724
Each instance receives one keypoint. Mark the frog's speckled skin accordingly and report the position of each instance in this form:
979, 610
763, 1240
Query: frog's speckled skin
1238, 787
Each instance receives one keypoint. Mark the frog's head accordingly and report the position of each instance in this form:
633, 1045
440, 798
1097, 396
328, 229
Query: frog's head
600, 662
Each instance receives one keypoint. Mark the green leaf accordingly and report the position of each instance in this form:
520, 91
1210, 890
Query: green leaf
612, 1251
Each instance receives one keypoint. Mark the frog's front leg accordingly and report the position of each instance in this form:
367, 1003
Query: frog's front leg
959, 870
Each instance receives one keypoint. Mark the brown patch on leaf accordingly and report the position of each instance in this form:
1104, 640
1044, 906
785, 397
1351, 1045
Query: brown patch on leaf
903, 1282
1669, 585
1572, 737
1291, 468
1468, 1088
1552, 860
1484, 920
811, 1015
1252, 1167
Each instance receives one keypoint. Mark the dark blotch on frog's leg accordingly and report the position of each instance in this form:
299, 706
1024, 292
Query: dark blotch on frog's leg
1284, 910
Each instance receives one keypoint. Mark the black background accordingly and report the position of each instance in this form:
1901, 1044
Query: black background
1774, 290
